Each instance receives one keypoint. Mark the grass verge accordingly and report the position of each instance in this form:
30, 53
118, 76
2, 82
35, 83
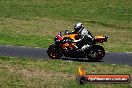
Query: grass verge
34, 73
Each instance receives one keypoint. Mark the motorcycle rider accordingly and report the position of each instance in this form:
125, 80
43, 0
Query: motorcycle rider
86, 38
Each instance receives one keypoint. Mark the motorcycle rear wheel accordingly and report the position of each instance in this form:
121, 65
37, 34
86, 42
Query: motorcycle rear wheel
97, 53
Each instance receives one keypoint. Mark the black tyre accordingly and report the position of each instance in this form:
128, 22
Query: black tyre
96, 53
53, 52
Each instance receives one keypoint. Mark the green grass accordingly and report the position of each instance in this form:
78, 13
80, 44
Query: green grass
36, 73
35, 22
30, 40
109, 11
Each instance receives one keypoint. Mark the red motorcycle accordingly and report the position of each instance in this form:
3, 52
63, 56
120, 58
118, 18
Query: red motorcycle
64, 46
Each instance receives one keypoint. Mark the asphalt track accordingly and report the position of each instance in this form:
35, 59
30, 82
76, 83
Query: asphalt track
17, 51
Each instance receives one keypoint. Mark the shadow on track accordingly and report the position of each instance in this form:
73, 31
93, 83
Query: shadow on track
78, 60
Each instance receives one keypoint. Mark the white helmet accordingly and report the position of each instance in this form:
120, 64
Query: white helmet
78, 27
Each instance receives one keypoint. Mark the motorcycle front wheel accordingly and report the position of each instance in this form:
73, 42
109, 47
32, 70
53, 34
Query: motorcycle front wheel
53, 52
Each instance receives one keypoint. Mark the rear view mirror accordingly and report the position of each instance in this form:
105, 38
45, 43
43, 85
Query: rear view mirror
66, 32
